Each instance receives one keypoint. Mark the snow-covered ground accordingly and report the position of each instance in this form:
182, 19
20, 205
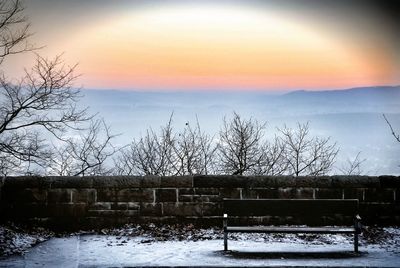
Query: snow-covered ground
137, 246
16, 239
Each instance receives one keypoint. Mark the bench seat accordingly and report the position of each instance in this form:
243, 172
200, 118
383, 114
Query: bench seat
306, 211
290, 230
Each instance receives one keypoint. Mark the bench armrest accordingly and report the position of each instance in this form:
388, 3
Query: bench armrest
357, 223
225, 221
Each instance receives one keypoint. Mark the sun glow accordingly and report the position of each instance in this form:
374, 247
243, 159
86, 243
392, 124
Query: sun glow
215, 46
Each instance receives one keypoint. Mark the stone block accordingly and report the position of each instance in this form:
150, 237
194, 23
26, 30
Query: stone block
118, 182
166, 195
315, 182
372, 210
185, 198
355, 182
133, 205
206, 191
119, 206
62, 210
26, 182
100, 206
396, 220
304, 193
135, 195
249, 194
177, 182
211, 209
328, 193
206, 198
150, 182
284, 181
106, 195
28, 210
286, 193
270, 181
79, 210
270, 193
71, 182
182, 209
229, 193
59, 196
220, 181
387, 220
261, 181
36, 195
379, 195
113, 213
389, 181
354, 193
150, 209
185, 191
16, 195
84, 196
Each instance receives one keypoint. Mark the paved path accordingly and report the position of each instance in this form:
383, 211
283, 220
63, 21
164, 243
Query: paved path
106, 251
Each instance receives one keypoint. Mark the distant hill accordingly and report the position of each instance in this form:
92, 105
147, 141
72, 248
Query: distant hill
382, 99
351, 92
124, 95
363, 99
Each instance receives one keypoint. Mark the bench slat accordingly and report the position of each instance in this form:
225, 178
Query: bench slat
290, 207
290, 230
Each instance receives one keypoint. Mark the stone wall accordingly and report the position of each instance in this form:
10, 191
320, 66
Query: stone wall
90, 202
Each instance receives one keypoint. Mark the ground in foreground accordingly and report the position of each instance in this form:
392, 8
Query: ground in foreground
120, 248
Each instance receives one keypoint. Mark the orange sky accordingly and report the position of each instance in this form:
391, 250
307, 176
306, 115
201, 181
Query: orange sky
180, 46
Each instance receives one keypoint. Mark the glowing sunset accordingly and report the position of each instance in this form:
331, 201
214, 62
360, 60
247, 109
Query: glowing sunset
227, 46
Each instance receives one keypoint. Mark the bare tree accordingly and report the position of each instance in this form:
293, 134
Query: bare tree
37, 108
207, 152
42, 102
8, 167
272, 161
353, 166
86, 154
14, 29
166, 153
307, 155
193, 151
395, 135
126, 161
152, 154
239, 145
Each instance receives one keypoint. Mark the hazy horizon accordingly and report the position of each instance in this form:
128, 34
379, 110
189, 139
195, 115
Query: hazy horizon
352, 118
267, 91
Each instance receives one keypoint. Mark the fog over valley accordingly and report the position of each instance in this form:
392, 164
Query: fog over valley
352, 117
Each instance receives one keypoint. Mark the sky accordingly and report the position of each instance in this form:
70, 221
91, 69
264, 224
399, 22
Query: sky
218, 45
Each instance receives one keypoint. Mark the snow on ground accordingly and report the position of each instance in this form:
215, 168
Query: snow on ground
175, 245
16, 239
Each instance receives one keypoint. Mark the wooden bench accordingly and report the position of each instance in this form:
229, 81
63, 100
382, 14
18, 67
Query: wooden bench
301, 211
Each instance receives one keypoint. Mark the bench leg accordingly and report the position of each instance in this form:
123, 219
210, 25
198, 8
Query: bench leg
225, 241
356, 242
225, 226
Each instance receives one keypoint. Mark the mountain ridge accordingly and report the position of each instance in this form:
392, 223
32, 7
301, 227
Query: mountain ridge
371, 89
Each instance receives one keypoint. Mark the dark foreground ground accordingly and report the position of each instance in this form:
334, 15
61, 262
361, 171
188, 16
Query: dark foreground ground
172, 245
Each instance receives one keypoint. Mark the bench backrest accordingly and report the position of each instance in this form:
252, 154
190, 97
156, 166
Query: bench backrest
290, 207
